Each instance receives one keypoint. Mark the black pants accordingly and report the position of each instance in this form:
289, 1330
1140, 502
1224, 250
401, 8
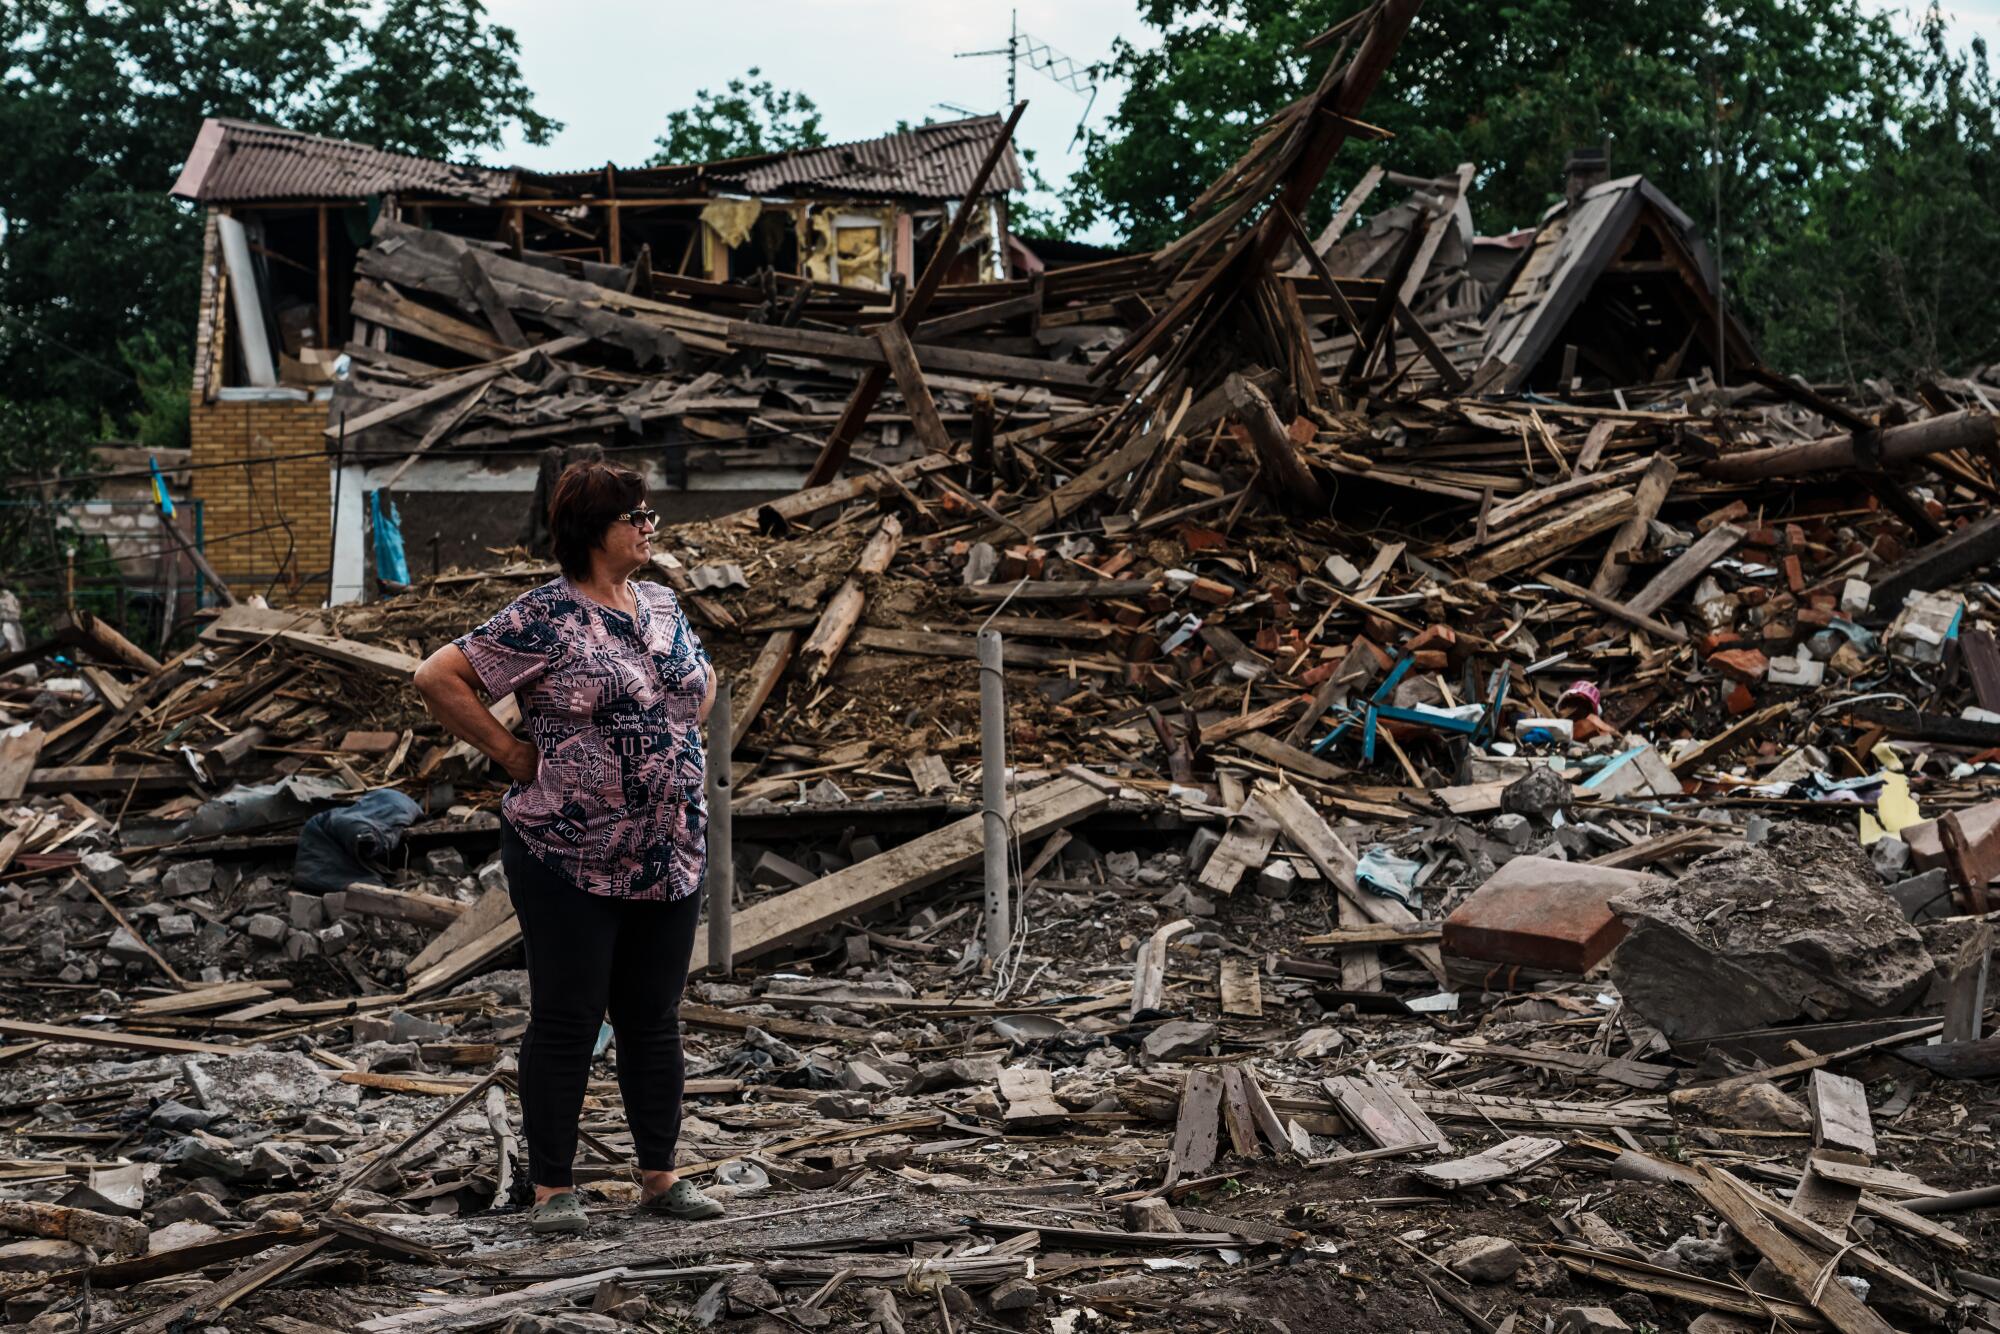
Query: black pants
588, 954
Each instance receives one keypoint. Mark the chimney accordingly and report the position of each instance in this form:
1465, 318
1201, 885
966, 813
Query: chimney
1586, 167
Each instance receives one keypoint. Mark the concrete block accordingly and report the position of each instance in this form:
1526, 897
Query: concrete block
1278, 880
1204, 843
185, 878
775, 872
266, 928
105, 871
126, 946
306, 911
1483, 1259
1924, 897
1796, 671
1542, 913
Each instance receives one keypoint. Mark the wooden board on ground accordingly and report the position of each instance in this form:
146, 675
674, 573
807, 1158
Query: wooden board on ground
924, 861
1242, 994
1360, 962
1196, 1128
1381, 1110
1306, 831
1243, 848
1507, 1159
109, 1037
1273, 751
1840, 1113
1835, 1300
489, 910
19, 748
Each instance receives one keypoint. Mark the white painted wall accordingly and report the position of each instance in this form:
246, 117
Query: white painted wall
352, 482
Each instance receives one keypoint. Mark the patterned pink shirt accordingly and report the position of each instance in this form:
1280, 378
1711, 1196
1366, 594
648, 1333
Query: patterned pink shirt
613, 703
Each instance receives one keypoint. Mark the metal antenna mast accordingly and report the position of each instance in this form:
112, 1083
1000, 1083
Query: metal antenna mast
1039, 55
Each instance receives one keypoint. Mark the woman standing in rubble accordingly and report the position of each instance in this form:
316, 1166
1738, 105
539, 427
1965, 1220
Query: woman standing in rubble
603, 833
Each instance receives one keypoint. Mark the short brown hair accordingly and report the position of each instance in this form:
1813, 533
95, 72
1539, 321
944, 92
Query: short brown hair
588, 498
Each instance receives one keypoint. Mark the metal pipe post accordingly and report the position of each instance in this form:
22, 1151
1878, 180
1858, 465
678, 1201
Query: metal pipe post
721, 841
993, 791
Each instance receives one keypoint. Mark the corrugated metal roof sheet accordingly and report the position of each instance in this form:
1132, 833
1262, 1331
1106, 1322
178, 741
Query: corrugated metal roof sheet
235, 160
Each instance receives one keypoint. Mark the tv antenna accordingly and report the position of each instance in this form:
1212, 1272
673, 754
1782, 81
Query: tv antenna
1039, 55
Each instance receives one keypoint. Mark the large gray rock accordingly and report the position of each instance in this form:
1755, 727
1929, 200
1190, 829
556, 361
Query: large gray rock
1797, 928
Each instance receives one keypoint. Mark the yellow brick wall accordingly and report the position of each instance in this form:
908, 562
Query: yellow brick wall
259, 485
275, 478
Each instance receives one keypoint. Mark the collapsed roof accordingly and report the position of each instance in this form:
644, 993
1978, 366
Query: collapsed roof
237, 161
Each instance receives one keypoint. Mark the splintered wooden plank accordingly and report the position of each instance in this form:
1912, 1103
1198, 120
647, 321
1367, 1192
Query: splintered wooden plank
1074, 494
925, 860
1285, 1137
105, 1037
1553, 537
466, 960
1685, 568
1883, 1181
489, 910
1360, 962
1149, 969
1306, 831
1829, 1203
1197, 1127
1242, 994
443, 389
348, 652
1835, 1300
772, 659
929, 773
1243, 848
19, 748
1383, 1112
1236, 1115
1507, 1159
902, 360
1840, 1113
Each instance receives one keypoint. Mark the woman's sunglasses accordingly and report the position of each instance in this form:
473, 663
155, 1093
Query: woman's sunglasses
640, 518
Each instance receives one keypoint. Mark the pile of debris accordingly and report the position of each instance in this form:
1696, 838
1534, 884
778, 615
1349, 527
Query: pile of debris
1479, 855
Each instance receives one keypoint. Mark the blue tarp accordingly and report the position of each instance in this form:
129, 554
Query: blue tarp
390, 563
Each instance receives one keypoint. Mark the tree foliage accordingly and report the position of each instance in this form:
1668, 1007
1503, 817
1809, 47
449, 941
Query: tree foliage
1847, 165
747, 117
103, 101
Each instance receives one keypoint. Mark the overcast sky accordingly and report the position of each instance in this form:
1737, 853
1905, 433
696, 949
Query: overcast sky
612, 79
611, 70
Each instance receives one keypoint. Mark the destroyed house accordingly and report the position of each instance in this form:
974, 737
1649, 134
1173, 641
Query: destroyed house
289, 214
1613, 286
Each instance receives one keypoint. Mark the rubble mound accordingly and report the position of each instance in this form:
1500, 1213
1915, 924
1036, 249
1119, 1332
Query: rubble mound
1797, 927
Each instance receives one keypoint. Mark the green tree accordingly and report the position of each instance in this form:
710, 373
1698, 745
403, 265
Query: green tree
1885, 271
104, 99
748, 117
1773, 90
1746, 108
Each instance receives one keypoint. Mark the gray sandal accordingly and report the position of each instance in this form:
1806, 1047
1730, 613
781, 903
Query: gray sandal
683, 1200
559, 1213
